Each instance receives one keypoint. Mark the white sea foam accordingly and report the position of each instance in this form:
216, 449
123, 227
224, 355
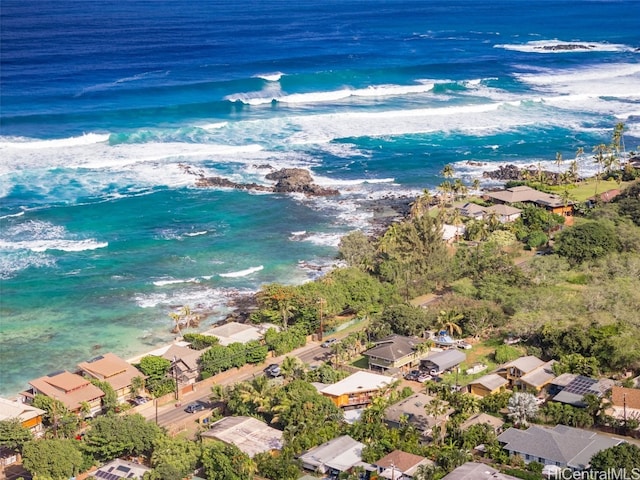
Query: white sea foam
61, 245
269, 96
173, 281
12, 215
242, 273
195, 234
120, 81
549, 46
22, 143
324, 239
14, 261
270, 77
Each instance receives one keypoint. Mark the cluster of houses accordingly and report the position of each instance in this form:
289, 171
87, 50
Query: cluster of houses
561, 447
502, 207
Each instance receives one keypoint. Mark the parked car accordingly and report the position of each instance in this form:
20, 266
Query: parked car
423, 377
413, 375
464, 345
272, 370
328, 343
194, 407
139, 400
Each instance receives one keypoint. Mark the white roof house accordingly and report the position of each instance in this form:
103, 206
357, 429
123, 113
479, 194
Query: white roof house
339, 454
356, 389
249, 434
234, 332
30, 417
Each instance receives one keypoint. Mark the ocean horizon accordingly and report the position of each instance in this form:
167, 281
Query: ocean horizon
106, 104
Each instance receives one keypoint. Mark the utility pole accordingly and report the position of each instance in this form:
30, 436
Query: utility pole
175, 376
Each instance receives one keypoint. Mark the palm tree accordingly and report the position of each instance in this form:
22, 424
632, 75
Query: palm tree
448, 171
476, 184
558, 160
600, 160
421, 204
446, 188
435, 408
447, 320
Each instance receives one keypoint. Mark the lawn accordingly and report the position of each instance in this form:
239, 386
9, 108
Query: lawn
587, 188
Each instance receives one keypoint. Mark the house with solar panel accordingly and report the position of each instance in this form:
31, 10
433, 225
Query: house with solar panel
118, 469
570, 388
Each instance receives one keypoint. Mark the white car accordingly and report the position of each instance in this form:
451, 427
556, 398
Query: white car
464, 345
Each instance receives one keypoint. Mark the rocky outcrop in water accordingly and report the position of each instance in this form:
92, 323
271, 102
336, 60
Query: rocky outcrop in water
288, 180
566, 46
506, 173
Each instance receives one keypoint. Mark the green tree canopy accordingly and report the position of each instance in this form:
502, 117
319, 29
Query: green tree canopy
177, 455
222, 461
586, 241
54, 459
623, 456
13, 435
113, 436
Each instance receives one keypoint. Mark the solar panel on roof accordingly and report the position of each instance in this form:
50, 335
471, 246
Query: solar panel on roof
123, 468
580, 386
95, 359
55, 374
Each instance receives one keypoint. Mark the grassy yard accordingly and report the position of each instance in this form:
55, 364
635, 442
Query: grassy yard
587, 188
361, 362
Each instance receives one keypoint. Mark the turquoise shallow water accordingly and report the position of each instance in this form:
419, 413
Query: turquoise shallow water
103, 234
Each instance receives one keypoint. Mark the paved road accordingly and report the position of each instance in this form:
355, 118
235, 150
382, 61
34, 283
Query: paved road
172, 415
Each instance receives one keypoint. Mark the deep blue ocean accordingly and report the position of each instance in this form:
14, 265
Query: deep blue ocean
103, 104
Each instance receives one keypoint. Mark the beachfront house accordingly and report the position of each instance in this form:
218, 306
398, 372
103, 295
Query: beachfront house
184, 362
399, 465
414, 411
74, 391
502, 212
29, 416
531, 196
250, 435
115, 371
487, 385
561, 446
527, 373
338, 455
396, 352
357, 389
235, 332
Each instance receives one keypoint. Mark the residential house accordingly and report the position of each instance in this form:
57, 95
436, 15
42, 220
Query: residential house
562, 446
333, 457
413, 410
72, 390
118, 468
441, 362
184, 361
395, 352
476, 471
625, 403
235, 332
357, 389
249, 434
483, 419
604, 197
113, 370
577, 386
502, 212
30, 417
487, 385
399, 465
528, 195
527, 373
452, 232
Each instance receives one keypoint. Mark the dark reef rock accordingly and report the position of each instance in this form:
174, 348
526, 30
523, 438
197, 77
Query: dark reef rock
288, 180
566, 46
298, 180
506, 173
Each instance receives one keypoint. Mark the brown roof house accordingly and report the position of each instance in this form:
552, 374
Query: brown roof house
29, 417
113, 370
399, 465
184, 360
524, 194
483, 419
527, 373
71, 389
625, 403
414, 410
396, 352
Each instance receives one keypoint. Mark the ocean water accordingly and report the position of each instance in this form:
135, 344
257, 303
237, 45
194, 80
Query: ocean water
103, 103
